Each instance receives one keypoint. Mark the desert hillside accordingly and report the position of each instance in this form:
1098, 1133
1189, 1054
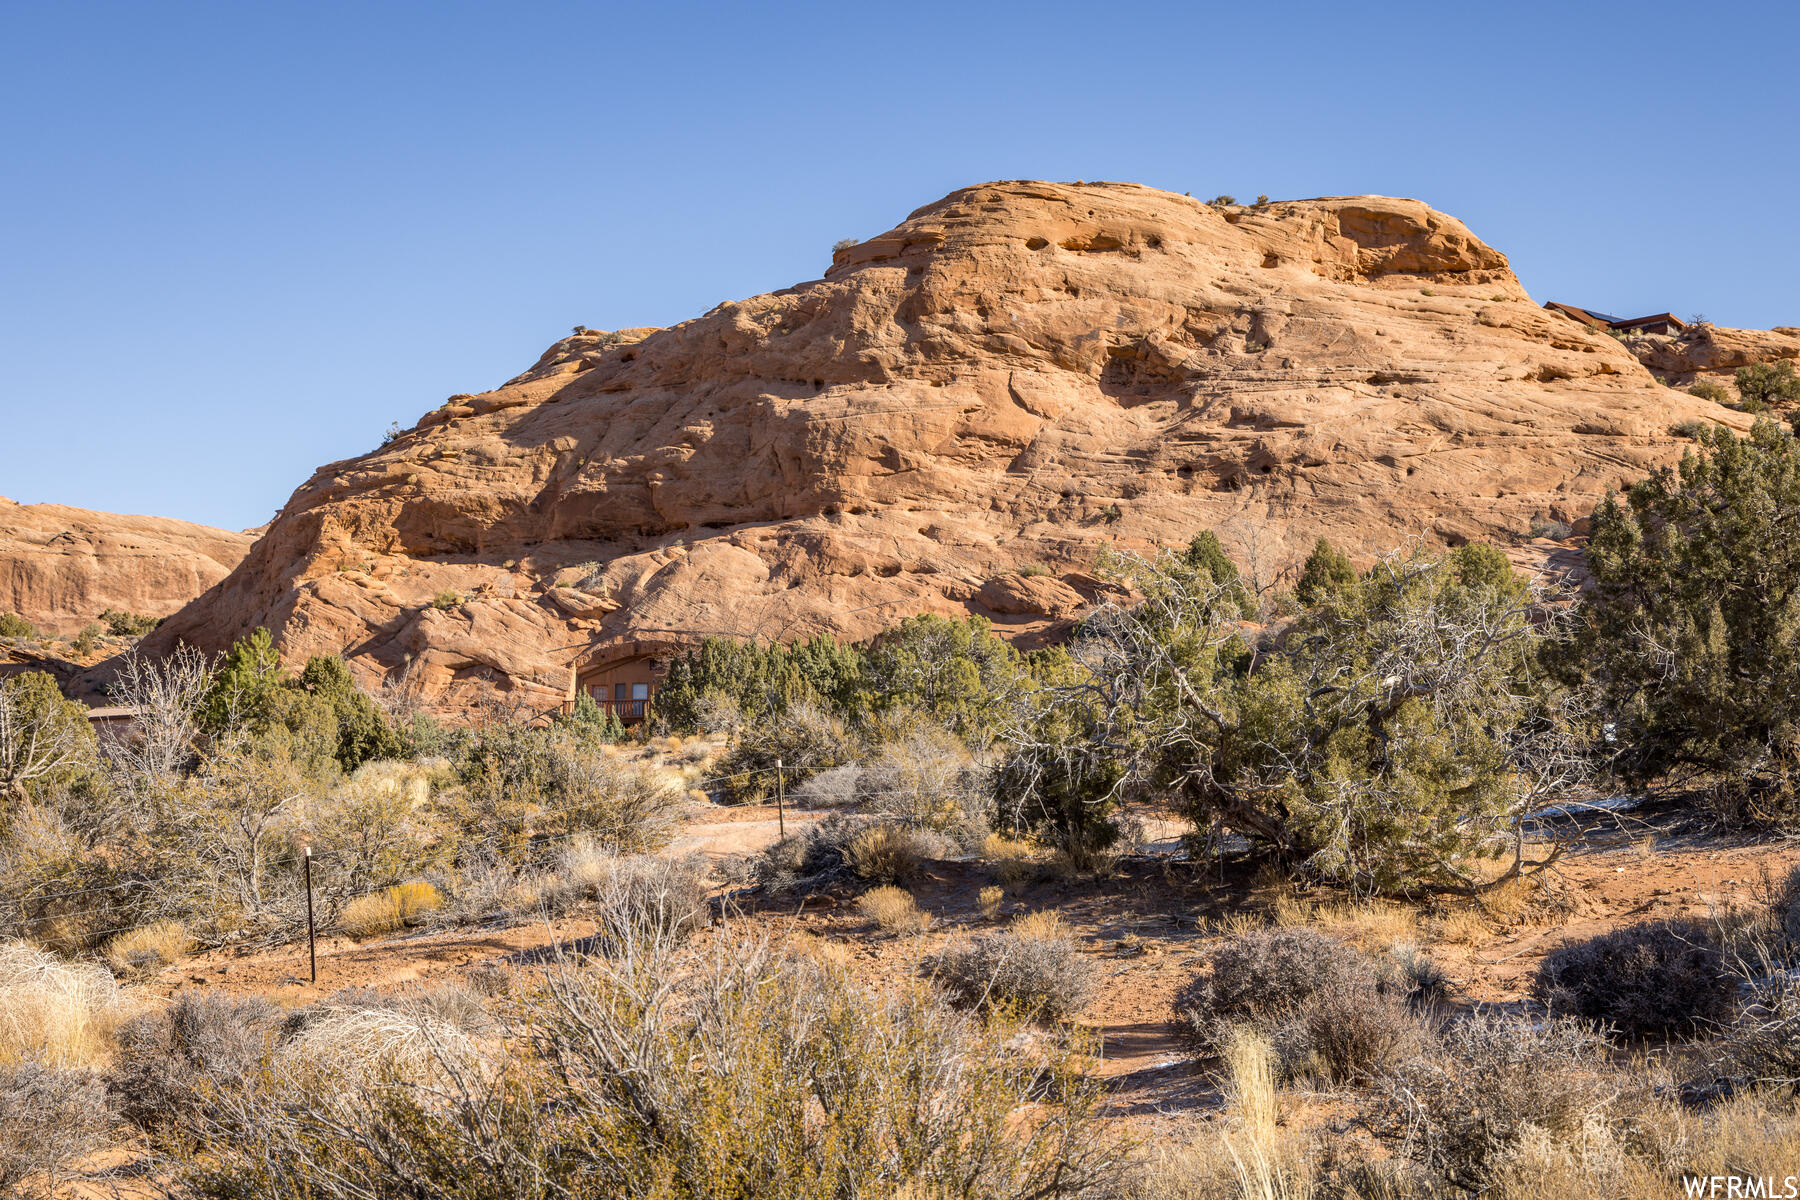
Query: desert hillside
61, 567
1011, 378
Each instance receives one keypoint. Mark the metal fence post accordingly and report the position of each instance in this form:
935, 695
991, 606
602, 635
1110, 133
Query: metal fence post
312, 954
780, 803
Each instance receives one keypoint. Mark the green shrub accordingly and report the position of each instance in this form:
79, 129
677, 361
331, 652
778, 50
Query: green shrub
1327, 575
1762, 386
955, 671
1690, 636
1388, 738
14, 626
46, 741
127, 625
758, 679
84, 642
447, 600
1706, 389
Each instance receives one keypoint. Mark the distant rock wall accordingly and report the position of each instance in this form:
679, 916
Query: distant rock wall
61, 567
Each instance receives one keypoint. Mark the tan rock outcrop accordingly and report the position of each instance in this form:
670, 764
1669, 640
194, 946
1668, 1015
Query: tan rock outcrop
1017, 374
1711, 352
61, 567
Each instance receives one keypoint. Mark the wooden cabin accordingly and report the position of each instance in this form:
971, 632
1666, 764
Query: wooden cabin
622, 677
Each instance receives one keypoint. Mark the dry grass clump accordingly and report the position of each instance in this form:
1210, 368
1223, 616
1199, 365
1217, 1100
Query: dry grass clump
362, 1038
1034, 968
1015, 861
1657, 977
149, 948
60, 1014
894, 910
390, 909
1250, 1156
1463, 926
888, 852
990, 899
49, 1118
1375, 926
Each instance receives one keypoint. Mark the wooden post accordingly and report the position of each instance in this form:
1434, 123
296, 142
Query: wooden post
312, 954
780, 803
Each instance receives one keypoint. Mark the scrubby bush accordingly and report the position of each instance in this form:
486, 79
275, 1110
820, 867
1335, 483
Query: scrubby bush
49, 1118
668, 897
12, 625
168, 1059
803, 738
446, 600
1261, 977
893, 910
624, 1082
1464, 1109
1327, 1009
1658, 977
1690, 636
812, 856
835, 787
1035, 969
927, 778
520, 780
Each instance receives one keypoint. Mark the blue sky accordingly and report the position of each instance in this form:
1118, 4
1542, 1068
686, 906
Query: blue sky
240, 239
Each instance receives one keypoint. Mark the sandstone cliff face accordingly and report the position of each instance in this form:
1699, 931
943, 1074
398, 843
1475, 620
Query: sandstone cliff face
61, 567
1710, 352
1015, 376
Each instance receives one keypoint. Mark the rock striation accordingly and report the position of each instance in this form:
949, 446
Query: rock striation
956, 419
61, 567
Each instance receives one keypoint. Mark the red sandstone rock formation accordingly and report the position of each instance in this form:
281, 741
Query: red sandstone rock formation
60, 567
1014, 376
